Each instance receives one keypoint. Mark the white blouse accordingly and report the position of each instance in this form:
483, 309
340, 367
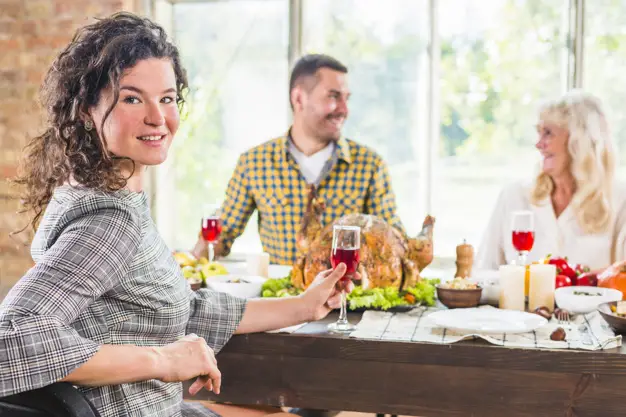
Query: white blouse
560, 236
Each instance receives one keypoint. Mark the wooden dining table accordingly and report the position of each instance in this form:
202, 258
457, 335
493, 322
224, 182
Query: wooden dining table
312, 368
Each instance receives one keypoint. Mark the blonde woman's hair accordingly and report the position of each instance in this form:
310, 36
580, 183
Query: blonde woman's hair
593, 159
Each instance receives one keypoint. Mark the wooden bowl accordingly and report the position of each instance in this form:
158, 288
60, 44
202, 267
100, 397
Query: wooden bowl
453, 298
617, 323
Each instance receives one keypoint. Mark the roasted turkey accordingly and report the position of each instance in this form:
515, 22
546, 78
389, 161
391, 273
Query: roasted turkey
388, 257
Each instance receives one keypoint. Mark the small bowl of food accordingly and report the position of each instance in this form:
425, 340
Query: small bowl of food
614, 313
489, 281
582, 299
459, 293
195, 283
244, 286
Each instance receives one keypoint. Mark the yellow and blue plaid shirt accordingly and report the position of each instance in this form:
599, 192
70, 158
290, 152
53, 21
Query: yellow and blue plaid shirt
268, 178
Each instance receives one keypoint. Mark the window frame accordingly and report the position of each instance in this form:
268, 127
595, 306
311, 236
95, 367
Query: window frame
161, 11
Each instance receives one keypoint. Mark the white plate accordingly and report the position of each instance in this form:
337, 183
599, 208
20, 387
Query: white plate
487, 320
248, 287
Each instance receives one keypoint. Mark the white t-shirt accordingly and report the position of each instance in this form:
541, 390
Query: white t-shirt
560, 236
311, 166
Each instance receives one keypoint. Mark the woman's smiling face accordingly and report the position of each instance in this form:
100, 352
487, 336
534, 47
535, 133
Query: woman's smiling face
145, 118
552, 144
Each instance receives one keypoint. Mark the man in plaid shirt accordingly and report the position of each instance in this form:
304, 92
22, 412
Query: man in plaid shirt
275, 177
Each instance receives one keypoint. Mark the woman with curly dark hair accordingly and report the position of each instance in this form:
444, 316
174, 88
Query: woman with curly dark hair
106, 307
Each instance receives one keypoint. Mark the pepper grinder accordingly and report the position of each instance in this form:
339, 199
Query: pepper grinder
464, 260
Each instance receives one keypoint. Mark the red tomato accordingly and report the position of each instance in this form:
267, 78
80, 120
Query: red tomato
581, 269
563, 281
563, 268
588, 279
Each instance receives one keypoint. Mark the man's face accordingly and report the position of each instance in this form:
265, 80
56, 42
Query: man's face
324, 107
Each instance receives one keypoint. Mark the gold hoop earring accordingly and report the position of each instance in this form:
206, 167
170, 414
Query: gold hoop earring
88, 125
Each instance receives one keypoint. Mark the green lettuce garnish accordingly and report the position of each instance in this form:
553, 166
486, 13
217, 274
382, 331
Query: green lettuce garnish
423, 293
388, 297
279, 287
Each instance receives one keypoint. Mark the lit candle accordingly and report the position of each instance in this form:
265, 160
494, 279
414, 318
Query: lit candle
541, 288
512, 287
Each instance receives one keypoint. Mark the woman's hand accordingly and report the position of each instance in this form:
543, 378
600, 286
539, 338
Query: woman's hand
201, 249
324, 293
190, 357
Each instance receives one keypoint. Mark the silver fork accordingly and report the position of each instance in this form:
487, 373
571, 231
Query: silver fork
563, 316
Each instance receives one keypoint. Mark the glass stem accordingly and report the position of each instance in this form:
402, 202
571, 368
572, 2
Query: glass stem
211, 252
522, 258
343, 314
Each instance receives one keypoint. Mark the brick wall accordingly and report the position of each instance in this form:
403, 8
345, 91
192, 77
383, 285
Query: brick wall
31, 33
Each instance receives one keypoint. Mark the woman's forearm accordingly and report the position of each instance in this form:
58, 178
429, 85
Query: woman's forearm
117, 364
264, 314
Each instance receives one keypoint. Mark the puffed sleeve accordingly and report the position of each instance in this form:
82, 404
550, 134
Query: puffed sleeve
214, 316
90, 247
490, 254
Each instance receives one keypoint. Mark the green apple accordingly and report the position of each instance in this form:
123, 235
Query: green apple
212, 269
188, 271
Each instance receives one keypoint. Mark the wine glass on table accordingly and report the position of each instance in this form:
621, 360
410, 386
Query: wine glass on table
523, 234
345, 249
211, 229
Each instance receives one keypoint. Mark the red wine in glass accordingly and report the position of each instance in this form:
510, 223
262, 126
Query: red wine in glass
211, 228
350, 257
345, 249
523, 233
523, 240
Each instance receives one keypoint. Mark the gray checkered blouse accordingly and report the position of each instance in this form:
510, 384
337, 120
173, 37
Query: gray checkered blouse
103, 275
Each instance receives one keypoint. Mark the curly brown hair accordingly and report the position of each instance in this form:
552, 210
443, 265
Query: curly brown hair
95, 59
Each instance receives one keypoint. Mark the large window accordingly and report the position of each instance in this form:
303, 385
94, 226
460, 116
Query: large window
236, 57
605, 62
499, 59
447, 91
384, 46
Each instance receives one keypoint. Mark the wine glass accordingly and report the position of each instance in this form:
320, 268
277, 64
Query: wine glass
346, 245
211, 229
523, 233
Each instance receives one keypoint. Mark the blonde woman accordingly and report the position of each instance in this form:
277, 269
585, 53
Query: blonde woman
578, 208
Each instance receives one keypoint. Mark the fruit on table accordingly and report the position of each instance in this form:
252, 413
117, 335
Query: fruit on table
198, 269
573, 272
581, 269
188, 271
563, 268
558, 334
589, 279
191, 273
614, 277
563, 281
212, 269
185, 259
